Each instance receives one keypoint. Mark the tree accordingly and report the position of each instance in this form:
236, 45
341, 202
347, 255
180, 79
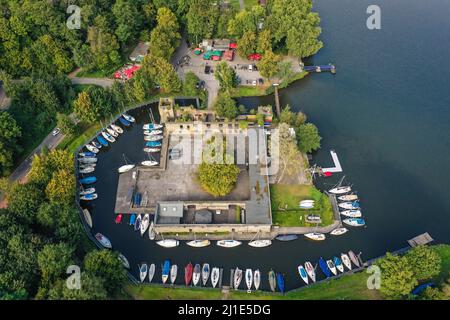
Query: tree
24, 201
264, 42
45, 164
226, 76
201, 18
85, 109
397, 277
10, 132
91, 289
103, 44
53, 261
218, 179
65, 123
160, 71
424, 262
61, 188
225, 106
165, 37
309, 138
247, 44
190, 84
432, 294
269, 65
128, 20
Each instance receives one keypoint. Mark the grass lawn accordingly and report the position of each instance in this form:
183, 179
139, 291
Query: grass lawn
285, 205
250, 3
92, 74
444, 252
249, 91
139, 292
72, 143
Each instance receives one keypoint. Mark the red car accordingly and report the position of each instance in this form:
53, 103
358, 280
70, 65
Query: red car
255, 57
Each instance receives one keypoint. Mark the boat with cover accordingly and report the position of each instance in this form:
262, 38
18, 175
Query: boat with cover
346, 261
249, 279
354, 258
338, 264
310, 271
351, 213
205, 273
287, 237
168, 243
112, 132
96, 144
332, 267
152, 126
151, 231
143, 269
196, 274
173, 273
92, 149
125, 168
118, 218
88, 180
132, 219
137, 223
89, 197
87, 191
87, 165
151, 272
354, 222
237, 278
104, 241
260, 243
87, 154
317, 236
324, 267
124, 261
102, 141
272, 280
87, 217
87, 160
257, 279
151, 150
340, 190
188, 274
349, 205
152, 132
108, 137
165, 271
149, 163
280, 282
303, 274
307, 206
228, 243
128, 117
153, 138
124, 122
348, 197
338, 231
198, 243
145, 223
153, 144
215, 274
116, 128
87, 170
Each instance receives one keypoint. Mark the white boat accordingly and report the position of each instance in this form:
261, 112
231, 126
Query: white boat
346, 261
340, 190
332, 267
152, 132
151, 272
153, 138
249, 279
87, 170
349, 205
307, 201
112, 132
237, 278
205, 273
104, 241
149, 163
351, 213
307, 205
151, 231
257, 279
108, 137
348, 197
128, 117
87, 160
87, 217
354, 222
87, 165
87, 191
143, 269
168, 243
310, 271
338, 231
91, 148
89, 197
228, 243
260, 243
303, 274
315, 236
173, 273
124, 261
215, 274
145, 223
196, 274
117, 128
152, 126
338, 264
151, 150
198, 243
125, 168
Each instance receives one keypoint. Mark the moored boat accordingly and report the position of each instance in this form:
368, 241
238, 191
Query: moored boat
310, 271
87, 160
125, 168
338, 231
96, 144
102, 141
249, 279
137, 223
205, 273
149, 163
272, 280
346, 261
118, 218
88, 180
215, 274
196, 274
152, 132
151, 272
173, 273
188, 274
338, 264
165, 271
87, 154
86, 170
260, 243
286, 237
108, 137
228, 243
152, 126
257, 279
324, 267
237, 278
303, 274
198, 243
124, 261
151, 150
145, 223
354, 222
153, 138
112, 132
143, 269
280, 282
128, 117
340, 190
349, 205
351, 213
125, 122
92, 149
331, 266
354, 258
317, 236
152, 144
117, 128
87, 191
87, 165
151, 231
168, 243
89, 197
348, 197
87, 217
132, 219
104, 241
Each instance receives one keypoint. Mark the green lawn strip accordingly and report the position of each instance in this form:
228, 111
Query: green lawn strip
92, 74
444, 252
139, 292
249, 91
248, 4
71, 143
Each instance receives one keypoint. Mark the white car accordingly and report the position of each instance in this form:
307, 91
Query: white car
250, 67
254, 83
56, 132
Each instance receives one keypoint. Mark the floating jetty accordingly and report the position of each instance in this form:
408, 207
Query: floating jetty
337, 165
321, 68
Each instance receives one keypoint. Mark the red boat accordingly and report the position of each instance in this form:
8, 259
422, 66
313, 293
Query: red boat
327, 174
119, 218
188, 273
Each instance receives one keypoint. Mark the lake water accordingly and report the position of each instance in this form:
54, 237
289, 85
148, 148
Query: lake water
386, 113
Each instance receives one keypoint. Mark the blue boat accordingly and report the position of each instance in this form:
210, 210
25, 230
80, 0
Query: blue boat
153, 144
422, 287
165, 271
88, 180
96, 144
323, 266
102, 141
280, 282
87, 154
124, 122
132, 219
137, 199
338, 264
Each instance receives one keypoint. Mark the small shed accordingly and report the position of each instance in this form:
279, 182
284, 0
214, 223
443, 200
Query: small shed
169, 212
203, 216
222, 44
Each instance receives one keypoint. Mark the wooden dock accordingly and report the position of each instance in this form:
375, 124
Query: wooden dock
420, 240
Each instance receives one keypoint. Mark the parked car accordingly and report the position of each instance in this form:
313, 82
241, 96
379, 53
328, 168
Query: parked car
56, 132
207, 69
254, 83
250, 67
261, 81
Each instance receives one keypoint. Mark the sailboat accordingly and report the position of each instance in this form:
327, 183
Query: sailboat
348, 197
126, 167
116, 128
331, 266
87, 217
173, 273
354, 222
237, 278
338, 264
346, 261
272, 280
317, 236
151, 272
257, 279
91, 148
303, 274
143, 269
230, 243
349, 205
323, 265
165, 271
280, 282
152, 132
168, 243
249, 279
87, 160
104, 241
310, 271
145, 223
259, 243
124, 261
86, 170
340, 190
137, 223
205, 273
151, 231
102, 141
351, 213
96, 144
87, 154
89, 197
128, 117
354, 258
151, 150
125, 122
338, 231
153, 138
152, 126
188, 270
198, 243
88, 180
149, 163
84, 192
196, 274
112, 132
215, 274
108, 137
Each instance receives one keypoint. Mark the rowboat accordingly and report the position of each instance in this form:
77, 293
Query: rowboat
310, 271
257, 279
112, 132
108, 137
102, 141
96, 144
151, 231
228, 243
153, 138
338, 264
349, 205
272, 280
125, 122
332, 267
324, 267
128, 117
198, 243
124, 261
303, 274
87, 191
153, 144
237, 278
152, 126
117, 128
215, 274
91, 148
151, 272
351, 213
280, 282
348, 197
205, 273
88, 180
354, 222
168, 243
287, 237
249, 279
137, 199
87, 170
340, 190
89, 197
137, 223
196, 274
132, 219
152, 132
104, 241
173, 273
87, 217
338, 231
151, 150
118, 218
188, 274
149, 163
354, 258
315, 236
260, 243
145, 223
125, 168
87, 160
165, 271
143, 269
346, 261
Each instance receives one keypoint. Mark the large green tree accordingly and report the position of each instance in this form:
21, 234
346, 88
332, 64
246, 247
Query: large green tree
85, 109
424, 262
225, 106
53, 261
226, 76
165, 38
269, 65
308, 137
24, 201
397, 277
10, 132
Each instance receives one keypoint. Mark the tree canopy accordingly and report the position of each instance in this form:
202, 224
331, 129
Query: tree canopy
225, 106
308, 137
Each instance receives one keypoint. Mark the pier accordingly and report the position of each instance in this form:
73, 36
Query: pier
321, 68
337, 165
